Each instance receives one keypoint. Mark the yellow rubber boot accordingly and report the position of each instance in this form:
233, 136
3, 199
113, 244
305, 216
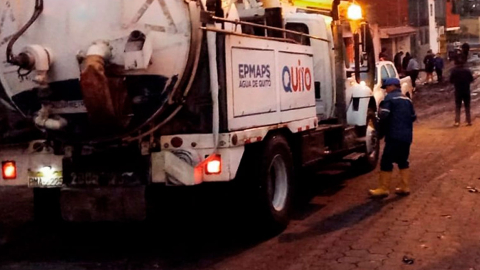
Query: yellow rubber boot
384, 183
404, 188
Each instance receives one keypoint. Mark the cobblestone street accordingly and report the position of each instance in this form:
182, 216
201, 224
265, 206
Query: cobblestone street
435, 226
341, 228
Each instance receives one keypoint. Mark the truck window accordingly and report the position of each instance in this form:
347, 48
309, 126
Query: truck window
252, 30
391, 70
384, 73
298, 27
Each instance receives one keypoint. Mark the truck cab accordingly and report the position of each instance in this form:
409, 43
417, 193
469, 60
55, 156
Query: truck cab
319, 25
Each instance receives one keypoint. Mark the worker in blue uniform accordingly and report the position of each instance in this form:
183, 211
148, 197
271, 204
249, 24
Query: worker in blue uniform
396, 115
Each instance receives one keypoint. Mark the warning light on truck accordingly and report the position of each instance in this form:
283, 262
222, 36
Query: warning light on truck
214, 165
9, 170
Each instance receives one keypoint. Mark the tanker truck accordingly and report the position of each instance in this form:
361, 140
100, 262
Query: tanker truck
137, 96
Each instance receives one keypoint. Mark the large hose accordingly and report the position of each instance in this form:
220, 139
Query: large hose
212, 54
20, 60
185, 83
96, 92
103, 98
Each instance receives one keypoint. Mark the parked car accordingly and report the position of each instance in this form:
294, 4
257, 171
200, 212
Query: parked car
385, 70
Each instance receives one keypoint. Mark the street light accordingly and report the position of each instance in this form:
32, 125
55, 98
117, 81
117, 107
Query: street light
354, 12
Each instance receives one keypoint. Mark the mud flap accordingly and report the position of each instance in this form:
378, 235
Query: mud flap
103, 204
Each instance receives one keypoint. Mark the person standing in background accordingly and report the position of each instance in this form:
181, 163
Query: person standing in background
439, 65
465, 50
450, 51
413, 69
429, 65
397, 61
405, 61
461, 77
383, 55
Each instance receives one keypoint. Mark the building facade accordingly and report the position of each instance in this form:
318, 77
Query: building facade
390, 25
452, 22
420, 14
448, 23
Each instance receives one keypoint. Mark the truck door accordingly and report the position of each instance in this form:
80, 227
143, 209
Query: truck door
384, 74
392, 71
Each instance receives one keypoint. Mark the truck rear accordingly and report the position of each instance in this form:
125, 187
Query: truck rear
135, 94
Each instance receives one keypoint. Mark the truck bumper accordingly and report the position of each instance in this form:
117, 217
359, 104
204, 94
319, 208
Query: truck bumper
103, 204
189, 167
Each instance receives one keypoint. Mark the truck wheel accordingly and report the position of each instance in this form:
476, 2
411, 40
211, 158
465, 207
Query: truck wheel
270, 177
372, 147
46, 205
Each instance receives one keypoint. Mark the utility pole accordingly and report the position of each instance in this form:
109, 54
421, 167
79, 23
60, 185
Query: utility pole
340, 103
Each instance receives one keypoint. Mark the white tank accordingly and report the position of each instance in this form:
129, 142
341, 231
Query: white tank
145, 45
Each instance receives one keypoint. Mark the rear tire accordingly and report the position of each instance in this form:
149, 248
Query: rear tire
267, 173
46, 203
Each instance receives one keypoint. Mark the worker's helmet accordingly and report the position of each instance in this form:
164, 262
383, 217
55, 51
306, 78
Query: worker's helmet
391, 81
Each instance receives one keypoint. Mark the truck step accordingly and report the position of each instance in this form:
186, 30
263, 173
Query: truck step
354, 156
329, 127
361, 140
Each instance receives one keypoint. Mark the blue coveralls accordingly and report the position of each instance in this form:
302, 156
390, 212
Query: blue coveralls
396, 121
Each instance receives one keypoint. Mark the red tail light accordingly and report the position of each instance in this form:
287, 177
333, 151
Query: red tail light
9, 170
214, 165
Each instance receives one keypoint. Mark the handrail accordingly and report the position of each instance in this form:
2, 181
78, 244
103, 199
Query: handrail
218, 19
18, 60
247, 35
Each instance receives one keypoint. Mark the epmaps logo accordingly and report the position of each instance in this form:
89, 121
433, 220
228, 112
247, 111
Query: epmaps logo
254, 76
296, 79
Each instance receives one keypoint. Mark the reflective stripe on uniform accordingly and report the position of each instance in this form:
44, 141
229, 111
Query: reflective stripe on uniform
403, 98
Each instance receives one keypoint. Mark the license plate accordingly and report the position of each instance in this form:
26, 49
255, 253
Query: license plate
37, 179
68, 107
